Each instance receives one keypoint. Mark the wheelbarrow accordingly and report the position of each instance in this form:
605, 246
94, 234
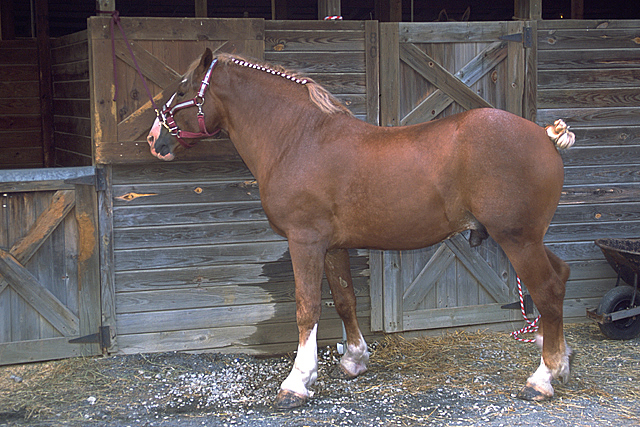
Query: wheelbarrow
618, 314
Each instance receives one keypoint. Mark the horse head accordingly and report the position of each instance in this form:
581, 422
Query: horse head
182, 119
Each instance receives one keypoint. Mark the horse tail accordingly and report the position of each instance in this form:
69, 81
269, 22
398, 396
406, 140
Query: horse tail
559, 134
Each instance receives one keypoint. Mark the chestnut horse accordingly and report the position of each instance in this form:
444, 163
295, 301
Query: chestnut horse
329, 182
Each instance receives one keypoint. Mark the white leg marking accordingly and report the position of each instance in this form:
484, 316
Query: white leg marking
305, 368
355, 359
541, 379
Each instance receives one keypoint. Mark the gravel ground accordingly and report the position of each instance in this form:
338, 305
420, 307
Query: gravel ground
461, 379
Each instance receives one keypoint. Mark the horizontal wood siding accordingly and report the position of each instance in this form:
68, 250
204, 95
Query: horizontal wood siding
198, 267
588, 75
71, 100
20, 116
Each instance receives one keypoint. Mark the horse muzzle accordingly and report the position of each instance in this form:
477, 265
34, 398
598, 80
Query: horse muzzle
159, 143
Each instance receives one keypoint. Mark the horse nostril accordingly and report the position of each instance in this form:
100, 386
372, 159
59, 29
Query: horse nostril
151, 140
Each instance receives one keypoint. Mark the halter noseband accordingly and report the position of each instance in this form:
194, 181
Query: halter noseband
166, 115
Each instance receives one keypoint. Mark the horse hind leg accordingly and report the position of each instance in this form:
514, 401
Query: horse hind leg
545, 276
338, 272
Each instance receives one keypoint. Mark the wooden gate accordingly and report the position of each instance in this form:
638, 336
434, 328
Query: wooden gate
429, 71
49, 271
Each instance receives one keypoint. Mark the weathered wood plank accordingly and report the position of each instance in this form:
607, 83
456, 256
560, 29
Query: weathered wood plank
178, 28
150, 66
595, 156
201, 213
38, 350
592, 59
603, 136
588, 98
193, 234
606, 38
183, 193
600, 194
199, 256
389, 75
40, 298
606, 78
457, 316
181, 172
217, 317
597, 213
616, 116
279, 273
310, 62
587, 24
452, 32
572, 232
302, 40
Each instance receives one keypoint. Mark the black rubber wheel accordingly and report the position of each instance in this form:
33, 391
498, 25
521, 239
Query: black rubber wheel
619, 298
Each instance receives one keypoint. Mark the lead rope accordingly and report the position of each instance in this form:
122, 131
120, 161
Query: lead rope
531, 326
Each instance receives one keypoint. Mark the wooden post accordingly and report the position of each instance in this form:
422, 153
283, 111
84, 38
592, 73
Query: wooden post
278, 9
526, 10
7, 25
46, 84
577, 9
105, 6
328, 8
388, 10
201, 8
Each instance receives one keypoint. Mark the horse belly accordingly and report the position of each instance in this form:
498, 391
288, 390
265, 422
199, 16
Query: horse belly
401, 226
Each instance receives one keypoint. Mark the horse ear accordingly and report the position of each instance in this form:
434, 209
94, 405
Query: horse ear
207, 58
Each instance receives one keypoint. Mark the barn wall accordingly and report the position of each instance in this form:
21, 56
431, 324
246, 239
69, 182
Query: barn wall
71, 100
20, 116
589, 74
197, 266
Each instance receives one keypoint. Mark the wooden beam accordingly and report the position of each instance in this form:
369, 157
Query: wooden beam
201, 8
278, 9
388, 10
526, 10
577, 9
46, 84
107, 6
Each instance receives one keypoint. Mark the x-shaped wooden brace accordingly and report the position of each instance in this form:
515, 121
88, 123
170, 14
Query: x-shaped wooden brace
21, 280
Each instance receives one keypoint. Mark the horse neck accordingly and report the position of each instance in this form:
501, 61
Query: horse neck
265, 114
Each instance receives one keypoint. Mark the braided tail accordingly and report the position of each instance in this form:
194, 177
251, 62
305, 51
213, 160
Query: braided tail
559, 134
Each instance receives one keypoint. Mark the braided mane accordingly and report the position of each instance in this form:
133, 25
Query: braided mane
318, 95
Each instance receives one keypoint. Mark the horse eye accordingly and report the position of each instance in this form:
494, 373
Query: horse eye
181, 94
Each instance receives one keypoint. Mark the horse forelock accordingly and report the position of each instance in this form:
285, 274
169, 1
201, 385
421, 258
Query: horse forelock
318, 95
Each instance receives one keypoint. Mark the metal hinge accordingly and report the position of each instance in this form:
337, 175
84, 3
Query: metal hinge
525, 37
529, 306
102, 337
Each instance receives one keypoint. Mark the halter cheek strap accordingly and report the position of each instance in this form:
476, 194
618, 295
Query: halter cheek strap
166, 115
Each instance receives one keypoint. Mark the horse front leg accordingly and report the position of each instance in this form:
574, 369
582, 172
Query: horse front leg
338, 271
307, 263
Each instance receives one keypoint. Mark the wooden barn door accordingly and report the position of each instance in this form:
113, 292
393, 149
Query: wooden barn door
429, 71
50, 295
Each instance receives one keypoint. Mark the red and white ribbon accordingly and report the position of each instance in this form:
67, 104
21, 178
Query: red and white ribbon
531, 326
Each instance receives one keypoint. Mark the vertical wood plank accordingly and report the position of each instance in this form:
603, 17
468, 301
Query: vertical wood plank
372, 74
107, 265
515, 85
389, 74
375, 292
103, 108
530, 104
88, 265
392, 292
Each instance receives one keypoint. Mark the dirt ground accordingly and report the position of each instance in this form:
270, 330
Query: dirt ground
459, 379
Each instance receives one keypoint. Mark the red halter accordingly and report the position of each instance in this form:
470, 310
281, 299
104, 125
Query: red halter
166, 115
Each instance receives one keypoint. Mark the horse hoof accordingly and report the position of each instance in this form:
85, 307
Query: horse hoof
532, 395
289, 400
340, 373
